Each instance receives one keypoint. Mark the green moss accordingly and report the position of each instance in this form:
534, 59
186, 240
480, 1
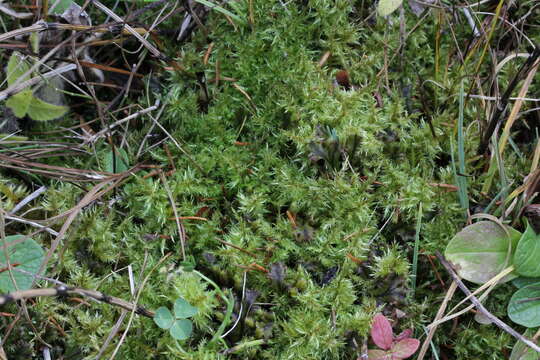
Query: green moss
300, 177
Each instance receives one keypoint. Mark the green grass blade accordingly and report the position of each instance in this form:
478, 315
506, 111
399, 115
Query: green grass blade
220, 9
416, 247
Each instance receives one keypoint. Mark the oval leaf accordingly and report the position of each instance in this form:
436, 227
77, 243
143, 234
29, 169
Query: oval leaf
528, 253
181, 329
480, 251
24, 254
381, 332
405, 348
163, 318
386, 7
524, 306
183, 309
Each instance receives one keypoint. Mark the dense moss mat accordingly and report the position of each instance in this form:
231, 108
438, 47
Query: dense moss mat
313, 187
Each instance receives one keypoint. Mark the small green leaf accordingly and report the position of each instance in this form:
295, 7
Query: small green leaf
61, 6
528, 253
24, 254
43, 111
386, 7
480, 251
524, 307
522, 351
16, 68
25, 102
183, 309
181, 329
163, 318
20, 102
118, 163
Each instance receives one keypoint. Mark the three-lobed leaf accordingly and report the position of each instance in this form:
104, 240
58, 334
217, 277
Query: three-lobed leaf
528, 253
164, 318
24, 254
524, 306
183, 309
482, 250
181, 329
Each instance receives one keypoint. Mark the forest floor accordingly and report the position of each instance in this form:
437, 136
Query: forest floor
276, 173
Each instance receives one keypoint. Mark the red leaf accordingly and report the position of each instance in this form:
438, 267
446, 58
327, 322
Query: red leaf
404, 348
407, 333
381, 332
379, 355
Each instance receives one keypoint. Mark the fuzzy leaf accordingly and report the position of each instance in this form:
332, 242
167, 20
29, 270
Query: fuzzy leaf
183, 309
386, 7
24, 254
526, 313
20, 102
43, 111
405, 348
181, 329
379, 355
528, 253
16, 68
480, 251
163, 318
381, 332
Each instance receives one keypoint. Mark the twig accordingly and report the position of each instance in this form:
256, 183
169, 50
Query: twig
481, 307
27, 199
449, 293
64, 290
143, 41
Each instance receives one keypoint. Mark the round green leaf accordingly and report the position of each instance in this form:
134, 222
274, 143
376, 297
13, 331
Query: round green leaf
24, 254
524, 306
163, 318
386, 7
183, 309
528, 253
181, 329
480, 251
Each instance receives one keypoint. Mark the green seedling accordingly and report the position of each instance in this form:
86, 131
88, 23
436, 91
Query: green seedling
26, 102
177, 321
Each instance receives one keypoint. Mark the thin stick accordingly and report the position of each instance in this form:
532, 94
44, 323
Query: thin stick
481, 307
64, 290
440, 313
